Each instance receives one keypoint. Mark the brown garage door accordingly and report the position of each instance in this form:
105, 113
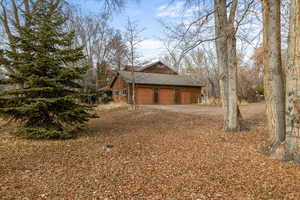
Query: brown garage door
144, 95
166, 96
185, 97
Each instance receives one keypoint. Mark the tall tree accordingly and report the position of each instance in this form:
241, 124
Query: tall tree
10, 17
43, 59
200, 64
225, 31
293, 84
273, 73
118, 51
95, 35
132, 37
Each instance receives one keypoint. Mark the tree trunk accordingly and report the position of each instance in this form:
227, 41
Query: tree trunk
233, 110
133, 82
227, 62
221, 47
293, 85
274, 85
213, 89
133, 88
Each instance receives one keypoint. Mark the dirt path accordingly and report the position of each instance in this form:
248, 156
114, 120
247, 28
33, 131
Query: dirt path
248, 111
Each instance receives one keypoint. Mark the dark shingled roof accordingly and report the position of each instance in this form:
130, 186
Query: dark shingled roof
140, 69
159, 79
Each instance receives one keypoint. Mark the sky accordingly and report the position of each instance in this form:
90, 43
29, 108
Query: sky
145, 13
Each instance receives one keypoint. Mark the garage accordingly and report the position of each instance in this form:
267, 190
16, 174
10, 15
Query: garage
166, 96
155, 88
185, 97
144, 96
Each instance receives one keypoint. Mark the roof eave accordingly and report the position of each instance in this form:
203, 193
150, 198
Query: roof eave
179, 85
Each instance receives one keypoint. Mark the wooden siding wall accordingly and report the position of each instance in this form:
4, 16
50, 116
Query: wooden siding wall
117, 86
187, 95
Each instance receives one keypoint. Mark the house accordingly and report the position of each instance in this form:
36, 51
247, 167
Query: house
156, 84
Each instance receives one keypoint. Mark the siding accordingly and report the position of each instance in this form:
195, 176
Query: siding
118, 85
166, 95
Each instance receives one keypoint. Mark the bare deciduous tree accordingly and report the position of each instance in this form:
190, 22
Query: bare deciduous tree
118, 51
102, 45
293, 84
200, 64
227, 61
189, 35
133, 40
182, 37
11, 15
273, 74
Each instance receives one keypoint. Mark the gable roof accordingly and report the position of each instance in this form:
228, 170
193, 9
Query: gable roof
159, 79
129, 68
140, 69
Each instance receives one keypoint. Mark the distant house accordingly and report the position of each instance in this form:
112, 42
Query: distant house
156, 84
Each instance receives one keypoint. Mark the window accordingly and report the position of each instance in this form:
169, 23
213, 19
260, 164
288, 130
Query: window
122, 92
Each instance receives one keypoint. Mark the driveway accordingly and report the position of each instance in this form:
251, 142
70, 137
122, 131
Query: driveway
248, 111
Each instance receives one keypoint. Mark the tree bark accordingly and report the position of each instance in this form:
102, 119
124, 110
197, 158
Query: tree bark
221, 47
133, 74
274, 84
233, 110
133, 86
227, 62
293, 85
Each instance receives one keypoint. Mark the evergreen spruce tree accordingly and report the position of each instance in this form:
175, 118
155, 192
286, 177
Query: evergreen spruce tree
47, 75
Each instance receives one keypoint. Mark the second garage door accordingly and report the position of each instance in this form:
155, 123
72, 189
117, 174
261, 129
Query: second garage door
144, 95
166, 96
185, 97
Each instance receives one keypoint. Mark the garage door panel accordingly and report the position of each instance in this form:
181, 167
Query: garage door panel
144, 95
166, 96
185, 97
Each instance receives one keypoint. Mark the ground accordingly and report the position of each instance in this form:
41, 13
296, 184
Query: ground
248, 110
149, 153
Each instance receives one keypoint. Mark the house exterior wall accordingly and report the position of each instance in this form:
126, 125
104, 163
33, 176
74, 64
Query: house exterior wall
117, 88
166, 94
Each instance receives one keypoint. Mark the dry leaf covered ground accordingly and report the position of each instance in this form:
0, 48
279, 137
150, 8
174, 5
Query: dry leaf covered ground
148, 154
